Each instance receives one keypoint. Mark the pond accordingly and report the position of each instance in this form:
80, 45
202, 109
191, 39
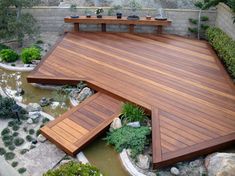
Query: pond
98, 153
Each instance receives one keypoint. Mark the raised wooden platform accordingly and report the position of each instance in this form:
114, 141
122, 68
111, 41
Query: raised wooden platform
179, 80
78, 126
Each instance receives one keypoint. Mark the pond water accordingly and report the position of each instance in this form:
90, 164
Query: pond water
98, 153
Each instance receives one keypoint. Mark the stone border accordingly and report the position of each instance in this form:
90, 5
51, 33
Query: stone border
15, 68
46, 87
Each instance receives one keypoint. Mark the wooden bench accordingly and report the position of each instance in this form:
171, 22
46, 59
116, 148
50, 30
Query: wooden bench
113, 20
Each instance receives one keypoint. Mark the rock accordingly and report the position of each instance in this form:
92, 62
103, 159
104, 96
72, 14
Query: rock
30, 121
34, 115
44, 102
220, 164
143, 161
34, 142
175, 171
196, 163
134, 124
32, 107
41, 138
86, 92
117, 123
128, 151
64, 162
55, 104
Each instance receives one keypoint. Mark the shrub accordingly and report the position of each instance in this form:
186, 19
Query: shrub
29, 138
132, 113
23, 151
7, 137
5, 131
11, 147
12, 123
2, 46
25, 129
38, 132
8, 55
39, 41
8, 142
31, 131
15, 128
224, 46
15, 134
2, 151
14, 164
22, 170
30, 54
9, 156
45, 120
129, 138
6, 104
18, 141
74, 169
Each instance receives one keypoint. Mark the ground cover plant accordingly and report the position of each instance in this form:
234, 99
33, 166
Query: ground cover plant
30, 54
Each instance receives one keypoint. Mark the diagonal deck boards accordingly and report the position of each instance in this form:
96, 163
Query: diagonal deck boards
74, 129
179, 80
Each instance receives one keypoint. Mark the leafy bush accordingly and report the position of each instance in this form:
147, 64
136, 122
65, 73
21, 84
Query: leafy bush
11, 147
15, 128
30, 54
15, 134
8, 142
7, 137
29, 138
12, 123
45, 120
23, 151
224, 46
9, 156
18, 141
22, 170
2, 151
8, 55
39, 41
14, 164
132, 113
74, 169
129, 138
5, 131
38, 132
31, 131
5, 107
2, 46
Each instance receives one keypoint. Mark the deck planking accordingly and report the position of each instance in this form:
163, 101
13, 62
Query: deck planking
179, 80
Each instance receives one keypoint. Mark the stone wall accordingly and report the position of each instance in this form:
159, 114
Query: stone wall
224, 20
51, 19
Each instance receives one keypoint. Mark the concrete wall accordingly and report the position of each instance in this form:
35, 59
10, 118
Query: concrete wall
224, 20
51, 19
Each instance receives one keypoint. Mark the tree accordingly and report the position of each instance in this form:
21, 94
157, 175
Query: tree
14, 23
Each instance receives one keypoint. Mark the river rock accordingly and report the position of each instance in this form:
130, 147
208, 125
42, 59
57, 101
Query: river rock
41, 138
86, 92
30, 121
34, 115
220, 164
134, 124
32, 107
117, 123
143, 161
175, 171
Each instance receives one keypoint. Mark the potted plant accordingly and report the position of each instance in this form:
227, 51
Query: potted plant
134, 6
88, 13
73, 9
99, 12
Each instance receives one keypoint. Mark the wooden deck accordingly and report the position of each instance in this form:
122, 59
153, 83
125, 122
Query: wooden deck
179, 80
78, 126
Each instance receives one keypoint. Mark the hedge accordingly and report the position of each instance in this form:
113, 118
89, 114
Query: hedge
224, 46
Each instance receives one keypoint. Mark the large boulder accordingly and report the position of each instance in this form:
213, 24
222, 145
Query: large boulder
86, 92
220, 164
143, 161
117, 123
32, 107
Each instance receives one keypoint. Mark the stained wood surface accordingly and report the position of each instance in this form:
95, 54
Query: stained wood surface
179, 80
78, 126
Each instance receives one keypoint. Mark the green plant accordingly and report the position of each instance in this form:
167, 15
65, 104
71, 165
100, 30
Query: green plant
129, 138
18, 141
5, 107
15, 134
29, 138
30, 54
2, 46
5, 131
12, 123
9, 156
224, 46
14, 164
2, 151
99, 11
8, 143
7, 137
8, 55
39, 41
11, 147
38, 132
45, 120
73, 168
22, 170
15, 127
23, 151
132, 113
31, 131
